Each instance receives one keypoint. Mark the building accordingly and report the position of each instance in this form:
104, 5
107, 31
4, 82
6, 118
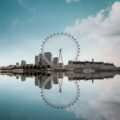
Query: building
48, 57
55, 61
78, 65
36, 59
61, 66
17, 64
23, 62
43, 59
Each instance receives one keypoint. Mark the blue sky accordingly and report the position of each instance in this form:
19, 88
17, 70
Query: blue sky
25, 23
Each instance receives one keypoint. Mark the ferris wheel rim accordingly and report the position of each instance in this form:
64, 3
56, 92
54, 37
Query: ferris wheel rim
63, 34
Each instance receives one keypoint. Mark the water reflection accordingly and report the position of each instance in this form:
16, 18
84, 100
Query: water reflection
61, 89
92, 96
58, 95
55, 76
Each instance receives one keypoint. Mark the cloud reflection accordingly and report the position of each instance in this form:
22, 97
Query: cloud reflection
105, 106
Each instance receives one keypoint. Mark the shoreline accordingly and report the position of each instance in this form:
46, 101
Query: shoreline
117, 69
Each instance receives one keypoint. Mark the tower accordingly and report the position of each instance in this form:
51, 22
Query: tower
60, 59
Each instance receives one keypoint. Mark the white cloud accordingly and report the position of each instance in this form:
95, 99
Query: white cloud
102, 28
69, 1
25, 5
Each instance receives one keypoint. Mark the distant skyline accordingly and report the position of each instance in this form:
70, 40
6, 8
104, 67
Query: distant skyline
25, 23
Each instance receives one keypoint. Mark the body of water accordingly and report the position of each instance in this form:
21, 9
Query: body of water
59, 97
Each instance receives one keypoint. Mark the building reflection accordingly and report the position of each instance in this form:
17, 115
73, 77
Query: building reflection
46, 81
88, 76
23, 78
51, 79
56, 76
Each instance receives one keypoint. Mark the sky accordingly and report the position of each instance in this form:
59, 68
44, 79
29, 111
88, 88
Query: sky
25, 23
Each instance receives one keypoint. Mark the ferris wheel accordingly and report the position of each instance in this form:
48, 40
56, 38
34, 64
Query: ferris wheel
62, 45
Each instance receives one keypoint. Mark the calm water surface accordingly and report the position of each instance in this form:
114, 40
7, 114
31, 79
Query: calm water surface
51, 99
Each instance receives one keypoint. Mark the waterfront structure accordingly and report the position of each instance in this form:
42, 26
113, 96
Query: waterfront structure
23, 62
46, 62
42, 59
80, 66
36, 59
48, 57
17, 64
55, 61
61, 65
